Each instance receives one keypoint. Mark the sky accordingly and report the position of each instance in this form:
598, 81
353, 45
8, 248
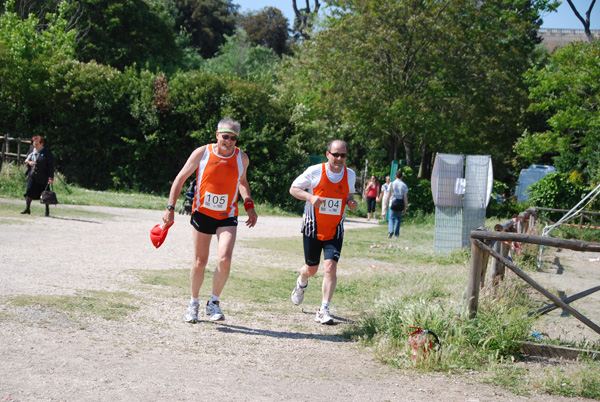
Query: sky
564, 18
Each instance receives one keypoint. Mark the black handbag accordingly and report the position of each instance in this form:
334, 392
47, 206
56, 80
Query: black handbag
397, 204
48, 196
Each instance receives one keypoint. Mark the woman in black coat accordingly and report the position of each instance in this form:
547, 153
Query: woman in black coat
40, 172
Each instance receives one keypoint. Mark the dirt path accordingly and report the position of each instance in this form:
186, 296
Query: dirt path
255, 355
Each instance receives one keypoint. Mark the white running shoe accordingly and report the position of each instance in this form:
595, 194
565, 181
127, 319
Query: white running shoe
214, 311
192, 313
323, 317
298, 293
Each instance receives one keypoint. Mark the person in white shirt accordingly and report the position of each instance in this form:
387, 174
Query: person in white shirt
399, 192
384, 197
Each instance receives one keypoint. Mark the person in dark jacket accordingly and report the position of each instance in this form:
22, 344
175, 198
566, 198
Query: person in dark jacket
40, 172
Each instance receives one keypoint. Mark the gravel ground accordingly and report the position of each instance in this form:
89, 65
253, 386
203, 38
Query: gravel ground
255, 355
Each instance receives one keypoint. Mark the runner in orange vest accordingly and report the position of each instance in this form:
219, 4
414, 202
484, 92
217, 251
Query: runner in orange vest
220, 175
327, 189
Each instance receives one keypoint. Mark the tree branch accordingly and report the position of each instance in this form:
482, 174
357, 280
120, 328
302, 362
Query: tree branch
585, 22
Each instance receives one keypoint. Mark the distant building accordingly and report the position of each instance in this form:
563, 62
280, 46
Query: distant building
554, 37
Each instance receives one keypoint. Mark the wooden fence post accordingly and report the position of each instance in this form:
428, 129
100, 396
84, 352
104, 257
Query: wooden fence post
18, 151
532, 217
504, 249
2, 146
474, 278
497, 269
484, 264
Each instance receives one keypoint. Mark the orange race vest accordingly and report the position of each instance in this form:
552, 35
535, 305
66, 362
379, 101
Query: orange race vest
217, 184
327, 222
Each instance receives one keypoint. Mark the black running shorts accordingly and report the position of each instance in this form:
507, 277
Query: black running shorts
209, 225
313, 247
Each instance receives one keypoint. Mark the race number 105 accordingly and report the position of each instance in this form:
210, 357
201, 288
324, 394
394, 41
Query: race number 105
331, 206
216, 202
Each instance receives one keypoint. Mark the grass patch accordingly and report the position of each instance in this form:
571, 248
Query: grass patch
582, 380
10, 210
508, 377
414, 247
13, 183
176, 278
272, 286
105, 305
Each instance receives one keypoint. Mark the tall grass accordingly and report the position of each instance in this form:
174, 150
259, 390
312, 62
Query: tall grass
435, 302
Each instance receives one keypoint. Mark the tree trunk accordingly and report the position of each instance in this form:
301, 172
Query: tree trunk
408, 149
425, 165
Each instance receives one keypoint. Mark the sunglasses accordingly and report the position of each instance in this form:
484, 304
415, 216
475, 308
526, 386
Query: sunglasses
229, 137
336, 155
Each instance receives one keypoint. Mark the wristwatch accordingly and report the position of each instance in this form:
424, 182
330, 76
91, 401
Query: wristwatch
170, 207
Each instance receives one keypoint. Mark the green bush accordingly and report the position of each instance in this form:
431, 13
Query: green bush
555, 190
87, 117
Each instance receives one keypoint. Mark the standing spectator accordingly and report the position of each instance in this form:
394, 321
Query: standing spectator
384, 197
399, 191
371, 196
221, 174
327, 188
40, 172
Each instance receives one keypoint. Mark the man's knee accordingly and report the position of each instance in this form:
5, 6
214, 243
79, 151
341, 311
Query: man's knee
311, 270
225, 260
330, 267
199, 263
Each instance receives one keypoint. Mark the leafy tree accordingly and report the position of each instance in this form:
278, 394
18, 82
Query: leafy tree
27, 53
118, 33
268, 28
121, 33
207, 22
240, 58
25, 7
567, 91
444, 76
166, 135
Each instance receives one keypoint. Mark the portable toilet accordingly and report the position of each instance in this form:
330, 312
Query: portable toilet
529, 176
461, 186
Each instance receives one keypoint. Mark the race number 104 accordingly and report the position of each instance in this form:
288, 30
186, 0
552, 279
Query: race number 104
331, 206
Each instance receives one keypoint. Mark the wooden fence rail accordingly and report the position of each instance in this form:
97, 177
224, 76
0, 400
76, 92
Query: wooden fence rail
480, 250
13, 148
